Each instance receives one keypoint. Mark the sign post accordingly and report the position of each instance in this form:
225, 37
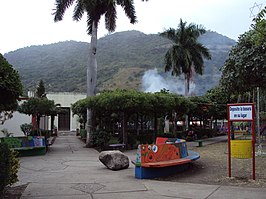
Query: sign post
238, 113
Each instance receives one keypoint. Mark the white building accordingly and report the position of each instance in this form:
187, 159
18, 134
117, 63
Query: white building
13, 124
64, 122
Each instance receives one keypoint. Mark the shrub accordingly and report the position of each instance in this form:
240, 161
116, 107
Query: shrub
6, 133
101, 138
83, 133
146, 138
132, 139
165, 135
40, 132
201, 133
26, 128
9, 166
114, 140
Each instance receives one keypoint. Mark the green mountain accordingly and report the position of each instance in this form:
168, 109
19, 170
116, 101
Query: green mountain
123, 58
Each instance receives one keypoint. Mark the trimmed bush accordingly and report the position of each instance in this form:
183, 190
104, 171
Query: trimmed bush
114, 140
83, 133
40, 132
9, 166
101, 138
26, 128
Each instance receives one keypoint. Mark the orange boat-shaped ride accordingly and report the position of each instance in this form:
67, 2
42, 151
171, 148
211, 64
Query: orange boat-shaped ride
166, 157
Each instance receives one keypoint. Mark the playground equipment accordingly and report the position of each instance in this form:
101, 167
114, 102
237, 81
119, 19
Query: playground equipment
167, 156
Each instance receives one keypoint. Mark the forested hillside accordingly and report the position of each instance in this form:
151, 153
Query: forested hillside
123, 58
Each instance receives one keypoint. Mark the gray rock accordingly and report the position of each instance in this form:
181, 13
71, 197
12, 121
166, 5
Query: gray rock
114, 160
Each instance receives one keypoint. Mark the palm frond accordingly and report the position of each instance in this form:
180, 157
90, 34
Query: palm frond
89, 24
198, 62
169, 34
78, 11
129, 8
168, 61
201, 29
95, 9
111, 16
61, 6
203, 50
186, 61
172, 62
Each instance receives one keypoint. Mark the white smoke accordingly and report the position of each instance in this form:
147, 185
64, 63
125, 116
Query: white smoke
152, 82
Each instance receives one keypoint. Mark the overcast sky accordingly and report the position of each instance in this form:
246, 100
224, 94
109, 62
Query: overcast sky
30, 22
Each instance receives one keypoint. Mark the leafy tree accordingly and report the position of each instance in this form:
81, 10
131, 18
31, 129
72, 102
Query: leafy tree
10, 86
40, 90
187, 53
10, 89
245, 69
94, 9
38, 107
218, 106
26, 128
260, 25
9, 166
130, 106
200, 110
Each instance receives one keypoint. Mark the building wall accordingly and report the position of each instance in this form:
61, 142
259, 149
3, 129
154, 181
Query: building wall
13, 124
65, 99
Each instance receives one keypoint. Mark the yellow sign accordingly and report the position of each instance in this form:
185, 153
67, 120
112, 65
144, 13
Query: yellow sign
241, 149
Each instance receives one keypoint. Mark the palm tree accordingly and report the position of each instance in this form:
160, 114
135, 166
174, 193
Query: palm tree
187, 53
94, 10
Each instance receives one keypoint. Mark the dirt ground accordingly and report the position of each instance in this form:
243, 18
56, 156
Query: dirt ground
212, 168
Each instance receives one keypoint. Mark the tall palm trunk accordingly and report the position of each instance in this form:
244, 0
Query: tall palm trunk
186, 87
186, 95
124, 128
91, 79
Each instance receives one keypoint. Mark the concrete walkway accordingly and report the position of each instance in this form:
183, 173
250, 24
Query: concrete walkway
69, 170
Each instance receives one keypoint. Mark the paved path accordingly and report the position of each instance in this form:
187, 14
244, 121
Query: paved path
70, 171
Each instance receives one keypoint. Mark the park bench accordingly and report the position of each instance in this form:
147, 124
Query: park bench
31, 151
200, 142
26, 146
167, 156
117, 146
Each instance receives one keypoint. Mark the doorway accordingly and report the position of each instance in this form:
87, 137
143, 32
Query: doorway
64, 120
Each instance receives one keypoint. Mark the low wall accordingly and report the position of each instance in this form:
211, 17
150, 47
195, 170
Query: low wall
27, 146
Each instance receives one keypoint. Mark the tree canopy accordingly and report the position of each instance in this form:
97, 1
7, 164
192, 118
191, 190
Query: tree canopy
94, 10
137, 113
10, 86
245, 68
39, 107
131, 101
40, 90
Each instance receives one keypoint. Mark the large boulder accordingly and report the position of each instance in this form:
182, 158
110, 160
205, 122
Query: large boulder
114, 160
